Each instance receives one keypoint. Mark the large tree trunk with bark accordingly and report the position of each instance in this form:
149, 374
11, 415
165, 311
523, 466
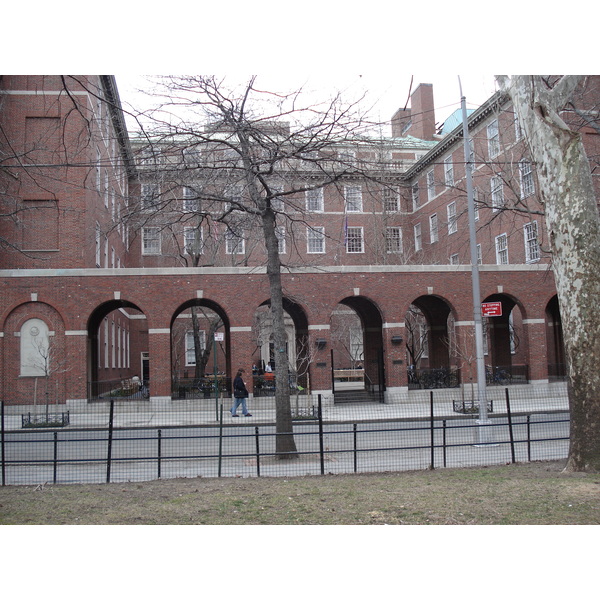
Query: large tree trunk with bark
573, 225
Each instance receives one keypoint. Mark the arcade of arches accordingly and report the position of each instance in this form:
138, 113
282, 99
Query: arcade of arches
183, 330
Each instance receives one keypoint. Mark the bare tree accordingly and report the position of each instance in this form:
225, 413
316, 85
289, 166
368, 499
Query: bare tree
573, 223
249, 157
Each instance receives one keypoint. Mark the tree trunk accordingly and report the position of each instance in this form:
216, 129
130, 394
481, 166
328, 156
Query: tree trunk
285, 446
573, 225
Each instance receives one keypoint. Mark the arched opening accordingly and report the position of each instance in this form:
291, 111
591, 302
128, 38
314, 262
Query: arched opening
200, 351
358, 372
557, 367
299, 352
118, 357
433, 354
505, 345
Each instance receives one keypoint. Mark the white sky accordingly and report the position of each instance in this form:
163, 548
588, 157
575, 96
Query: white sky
386, 91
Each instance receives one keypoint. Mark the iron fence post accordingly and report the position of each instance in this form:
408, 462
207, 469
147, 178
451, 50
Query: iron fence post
510, 426
2, 440
355, 446
159, 451
444, 440
257, 452
220, 439
431, 429
55, 466
110, 438
528, 438
321, 451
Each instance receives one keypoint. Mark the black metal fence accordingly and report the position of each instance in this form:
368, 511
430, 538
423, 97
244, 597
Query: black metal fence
119, 442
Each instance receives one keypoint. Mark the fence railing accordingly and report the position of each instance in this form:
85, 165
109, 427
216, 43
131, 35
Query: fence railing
425, 379
103, 447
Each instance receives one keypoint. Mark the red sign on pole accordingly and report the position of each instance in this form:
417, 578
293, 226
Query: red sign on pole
491, 309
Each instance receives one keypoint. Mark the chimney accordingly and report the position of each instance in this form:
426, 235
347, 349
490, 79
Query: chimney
419, 120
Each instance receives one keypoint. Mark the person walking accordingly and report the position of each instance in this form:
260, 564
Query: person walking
240, 393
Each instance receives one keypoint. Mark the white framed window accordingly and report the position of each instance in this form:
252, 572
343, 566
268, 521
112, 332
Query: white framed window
448, 171
280, 233
234, 242
518, 129
98, 244
314, 200
476, 203
234, 196
150, 240
193, 240
347, 157
353, 196
415, 196
452, 220
433, 228
472, 163
277, 202
391, 199
191, 202
454, 259
430, 185
526, 176
315, 240
497, 193
493, 136
502, 250
190, 346
150, 195
393, 240
479, 259
532, 247
354, 240
105, 251
418, 240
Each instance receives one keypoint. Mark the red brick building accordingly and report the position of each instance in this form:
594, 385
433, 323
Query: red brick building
377, 270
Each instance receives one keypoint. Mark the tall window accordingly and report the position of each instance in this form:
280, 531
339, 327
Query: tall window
526, 175
280, 233
191, 202
448, 171
415, 196
454, 259
234, 242
391, 199
314, 200
433, 228
393, 240
315, 240
353, 196
418, 240
354, 240
493, 135
190, 347
98, 244
150, 194
532, 247
452, 220
497, 193
193, 242
430, 185
150, 240
518, 129
502, 250
472, 163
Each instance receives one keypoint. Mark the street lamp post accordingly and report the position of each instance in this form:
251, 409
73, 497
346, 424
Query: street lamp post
483, 431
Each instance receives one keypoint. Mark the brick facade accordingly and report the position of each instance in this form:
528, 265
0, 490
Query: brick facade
112, 306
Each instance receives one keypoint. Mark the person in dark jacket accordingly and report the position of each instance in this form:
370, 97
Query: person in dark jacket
240, 393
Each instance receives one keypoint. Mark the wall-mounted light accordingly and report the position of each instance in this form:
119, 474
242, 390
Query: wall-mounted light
396, 339
320, 343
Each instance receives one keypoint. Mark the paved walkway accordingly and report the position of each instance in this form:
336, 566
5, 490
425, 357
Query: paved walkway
414, 405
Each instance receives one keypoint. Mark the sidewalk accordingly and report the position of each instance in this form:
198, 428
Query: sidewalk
411, 405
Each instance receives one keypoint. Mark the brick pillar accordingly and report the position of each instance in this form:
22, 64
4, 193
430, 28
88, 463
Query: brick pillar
395, 355
77, 353
535, 333
159, 348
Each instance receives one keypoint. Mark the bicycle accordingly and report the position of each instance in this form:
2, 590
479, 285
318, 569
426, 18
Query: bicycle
497, 376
